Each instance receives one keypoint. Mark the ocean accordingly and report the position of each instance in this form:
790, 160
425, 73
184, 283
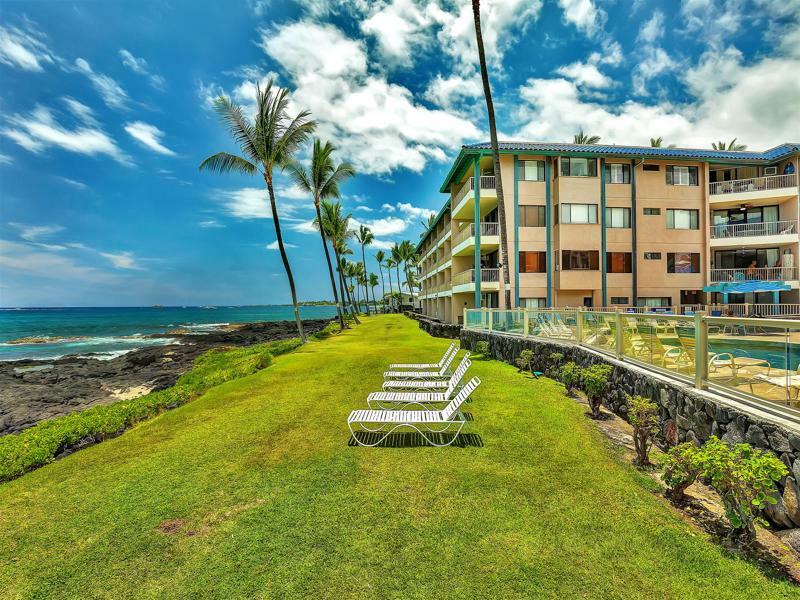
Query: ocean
110, 332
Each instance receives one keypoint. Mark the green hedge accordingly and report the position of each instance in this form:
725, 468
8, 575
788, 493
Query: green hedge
43, 442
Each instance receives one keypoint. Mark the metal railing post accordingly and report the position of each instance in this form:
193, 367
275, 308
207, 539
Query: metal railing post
465, 318
701, 350
579, 325
525, 320
489, 318
620, 341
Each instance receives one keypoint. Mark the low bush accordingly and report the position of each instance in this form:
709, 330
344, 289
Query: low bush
482, 348
594, 380
44, 442
570, 376
681, 469
524, 361
554, 363
643, 415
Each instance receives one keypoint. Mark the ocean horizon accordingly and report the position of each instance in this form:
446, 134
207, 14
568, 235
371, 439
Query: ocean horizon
107, 332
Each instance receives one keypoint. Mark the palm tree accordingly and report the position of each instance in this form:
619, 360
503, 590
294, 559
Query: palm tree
322, 182
731, 146
380, 256
365, 238
268, 143
582, 138
409, 254
344, 276
337, 230
397, 257
501, 206
389, 264
373, 282
427, 224
656, 142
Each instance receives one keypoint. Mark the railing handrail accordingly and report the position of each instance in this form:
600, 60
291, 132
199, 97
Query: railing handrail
724, 230
753, 184
756, 274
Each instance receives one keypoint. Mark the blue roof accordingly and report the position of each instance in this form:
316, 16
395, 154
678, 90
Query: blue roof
744, 287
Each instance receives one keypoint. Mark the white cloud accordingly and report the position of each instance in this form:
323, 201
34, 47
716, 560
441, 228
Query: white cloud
110, 91
585, 74
139, 66
304, 227
377, 124
80, 110
379, 244
398, 26
33, 233
5, 159
388, 208
655, 62
149, 136
362, 208
274, 245
653, 29
291, 192
37, 263
210, 224
449, 92
122, 260
76, 184
410, 210
584, 15
382, 227
24, 48
247, 203
39, 130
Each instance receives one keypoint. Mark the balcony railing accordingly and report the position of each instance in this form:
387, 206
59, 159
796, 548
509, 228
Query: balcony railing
757, 274
468, 276
754, 184
754, 229
469, 231
487, 183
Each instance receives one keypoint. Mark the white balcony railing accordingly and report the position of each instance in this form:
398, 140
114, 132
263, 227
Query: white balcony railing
469, 231
487, 183
757, 274
754, 184
468, 276
754, 229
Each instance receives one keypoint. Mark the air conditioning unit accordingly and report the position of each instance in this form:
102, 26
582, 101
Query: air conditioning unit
770, 170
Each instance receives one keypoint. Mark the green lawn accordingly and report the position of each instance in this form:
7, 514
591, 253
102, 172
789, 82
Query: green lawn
273, 502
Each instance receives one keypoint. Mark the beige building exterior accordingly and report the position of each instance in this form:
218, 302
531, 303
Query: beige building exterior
603, 226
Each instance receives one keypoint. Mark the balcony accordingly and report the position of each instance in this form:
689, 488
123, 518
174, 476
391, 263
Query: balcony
464, 240
753, 189
464, 200
757, 274
465, 281
754, 234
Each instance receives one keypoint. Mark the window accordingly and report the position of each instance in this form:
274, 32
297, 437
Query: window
533, 262
681, 175
618, 173
654, 301
530, 170
681, 218
578, 213
651, 168
683, 262
578, 167
580, 260
618, 218
652, 211
532, 216
618, 262
532, 302
619, 300
652, 255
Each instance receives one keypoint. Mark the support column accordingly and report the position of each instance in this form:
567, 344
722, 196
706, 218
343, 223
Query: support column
603, 265
634, 254
476, 185
548, 226
516, 231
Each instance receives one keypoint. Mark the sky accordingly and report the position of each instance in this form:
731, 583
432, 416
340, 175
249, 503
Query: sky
106, 113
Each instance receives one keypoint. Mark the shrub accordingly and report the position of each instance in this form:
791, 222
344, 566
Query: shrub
327, 331
44, 442
524, 361
554, 363
643, 415
595, 379
482, 348
681, 469
744, 477
570, 376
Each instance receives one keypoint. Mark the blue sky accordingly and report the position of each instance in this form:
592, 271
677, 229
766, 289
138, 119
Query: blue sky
105, 115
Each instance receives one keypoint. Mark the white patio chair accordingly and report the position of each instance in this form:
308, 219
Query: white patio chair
434, 384
420, 366
424, 422
425, 399
441, 373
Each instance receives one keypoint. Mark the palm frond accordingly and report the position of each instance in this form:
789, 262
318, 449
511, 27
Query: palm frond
239, 125
224, 162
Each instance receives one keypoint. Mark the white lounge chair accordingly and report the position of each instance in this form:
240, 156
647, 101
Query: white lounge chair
439, 383
421, 366
392, 400
790, 382
441, 373
424, 422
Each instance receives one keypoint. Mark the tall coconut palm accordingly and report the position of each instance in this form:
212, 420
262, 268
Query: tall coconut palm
380, 256
656, 142
732, 146
409, 254
337, 230
267, 143
373, 281
344, 275
365, 238
397, 257
389, 264
322, 181
582, 138
501, 206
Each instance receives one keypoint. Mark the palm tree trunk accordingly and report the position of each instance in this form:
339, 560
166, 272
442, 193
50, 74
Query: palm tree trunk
342, 324
399, 288
501, 207
345, 292
391, 289
383, 288
284, 258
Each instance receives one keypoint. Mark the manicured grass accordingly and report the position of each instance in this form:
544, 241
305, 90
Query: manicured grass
253, 491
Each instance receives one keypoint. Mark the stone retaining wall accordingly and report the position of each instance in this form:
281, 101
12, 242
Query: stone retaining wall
434, 327
686, 412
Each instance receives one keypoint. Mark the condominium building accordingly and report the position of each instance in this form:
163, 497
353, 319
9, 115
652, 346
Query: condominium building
600, 225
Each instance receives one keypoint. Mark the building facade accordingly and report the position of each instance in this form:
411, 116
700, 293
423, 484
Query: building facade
603, 226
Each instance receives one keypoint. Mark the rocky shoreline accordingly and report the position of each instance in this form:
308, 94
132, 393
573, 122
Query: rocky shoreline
35, 390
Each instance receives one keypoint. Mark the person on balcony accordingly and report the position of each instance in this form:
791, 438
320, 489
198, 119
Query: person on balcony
751, 270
